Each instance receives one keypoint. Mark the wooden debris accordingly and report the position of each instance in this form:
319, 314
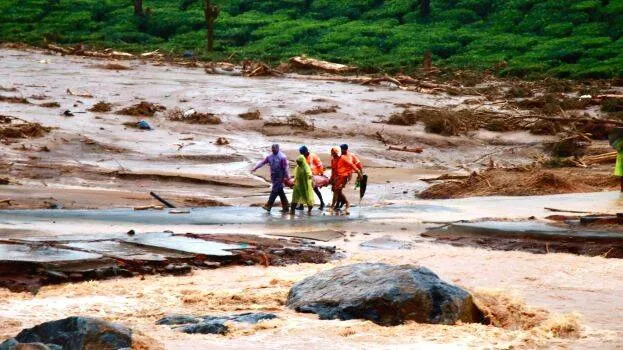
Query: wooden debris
406, 149
85, 94
446, 177
311, 63
567, 211
7, 201
148, 207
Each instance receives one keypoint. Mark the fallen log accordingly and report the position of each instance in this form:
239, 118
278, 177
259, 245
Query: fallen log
406, 149
446, 177
6, 201
311, 63
558, 119
148, 207
567, 211
59, 49
600, 158
162, 200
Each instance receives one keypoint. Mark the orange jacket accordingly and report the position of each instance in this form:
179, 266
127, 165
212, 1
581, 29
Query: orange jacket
315, 164
347, 164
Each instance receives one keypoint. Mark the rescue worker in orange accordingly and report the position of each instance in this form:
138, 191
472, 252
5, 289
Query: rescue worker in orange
342, 168
317, 169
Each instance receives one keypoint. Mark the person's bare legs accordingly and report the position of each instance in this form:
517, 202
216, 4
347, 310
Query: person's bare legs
342, 198
621, 183
309, 209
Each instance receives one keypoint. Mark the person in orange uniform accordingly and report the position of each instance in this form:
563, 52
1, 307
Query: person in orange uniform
345, 166
317, 169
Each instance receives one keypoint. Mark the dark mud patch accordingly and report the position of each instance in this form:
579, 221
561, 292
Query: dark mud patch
112, 66
532, 241
272, 251
78, 261
184, 179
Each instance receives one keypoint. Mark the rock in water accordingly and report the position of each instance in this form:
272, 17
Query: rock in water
385, 294
212, 324
74, 333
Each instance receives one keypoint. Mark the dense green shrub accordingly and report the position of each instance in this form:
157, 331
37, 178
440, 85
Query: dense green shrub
529, 38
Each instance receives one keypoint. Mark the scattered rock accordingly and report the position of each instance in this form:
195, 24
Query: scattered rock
72, 333
222, 141
67, 113
143, 125
212, 324
205, 328
385, 294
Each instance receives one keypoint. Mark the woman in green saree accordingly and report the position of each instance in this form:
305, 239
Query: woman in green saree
303, 188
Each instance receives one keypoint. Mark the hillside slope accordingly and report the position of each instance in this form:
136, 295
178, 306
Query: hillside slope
565, 38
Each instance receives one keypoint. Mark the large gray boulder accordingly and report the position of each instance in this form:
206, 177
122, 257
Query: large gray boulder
385, 294
73, 333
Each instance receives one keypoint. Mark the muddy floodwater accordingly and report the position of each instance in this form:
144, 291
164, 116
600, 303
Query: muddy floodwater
81, 182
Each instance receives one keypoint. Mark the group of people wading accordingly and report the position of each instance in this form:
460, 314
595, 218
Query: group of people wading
309, 177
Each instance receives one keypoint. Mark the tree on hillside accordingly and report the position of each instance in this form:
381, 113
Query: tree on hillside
210, 12
425, 7
138, 8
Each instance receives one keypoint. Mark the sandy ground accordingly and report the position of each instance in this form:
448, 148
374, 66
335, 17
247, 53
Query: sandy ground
94, 161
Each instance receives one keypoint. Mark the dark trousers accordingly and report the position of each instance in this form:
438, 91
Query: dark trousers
273, 195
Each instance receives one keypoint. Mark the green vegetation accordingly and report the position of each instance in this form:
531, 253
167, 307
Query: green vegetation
529, 38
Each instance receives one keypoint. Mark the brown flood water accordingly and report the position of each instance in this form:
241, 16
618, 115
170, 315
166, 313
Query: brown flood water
574, 289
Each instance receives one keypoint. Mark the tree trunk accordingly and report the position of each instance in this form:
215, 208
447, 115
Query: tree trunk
425, 7
210, 28
138, 8
211, 12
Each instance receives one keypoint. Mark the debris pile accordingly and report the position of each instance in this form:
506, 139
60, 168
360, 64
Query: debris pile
251, 115
14, 99
50, 104
258, 69
143, 109
101, 107
448, 122
191, 116
314, 64
322, 110
22, 129
81, 51
520, 182
293, 121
